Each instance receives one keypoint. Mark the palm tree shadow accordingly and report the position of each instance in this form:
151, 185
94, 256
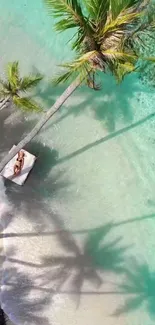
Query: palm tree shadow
15, 294
11, 132
42, 184
87, 264
112, 104
45, 92
48, 94
140, 285
16, 301
109, 105
107, 256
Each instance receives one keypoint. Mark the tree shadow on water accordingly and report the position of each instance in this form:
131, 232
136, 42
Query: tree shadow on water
139, 284
112, 103
109, 105
106, 138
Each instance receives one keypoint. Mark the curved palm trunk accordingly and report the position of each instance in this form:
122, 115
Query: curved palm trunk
60, 101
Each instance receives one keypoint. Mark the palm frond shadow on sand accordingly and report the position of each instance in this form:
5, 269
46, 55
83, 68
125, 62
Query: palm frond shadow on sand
40, 186
98, 256
68, 273
16, 300
13, 126
139, 286
15, 294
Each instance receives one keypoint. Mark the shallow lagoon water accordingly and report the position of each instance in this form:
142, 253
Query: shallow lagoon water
85, 217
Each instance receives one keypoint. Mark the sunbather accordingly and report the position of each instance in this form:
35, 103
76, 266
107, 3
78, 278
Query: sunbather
19, 163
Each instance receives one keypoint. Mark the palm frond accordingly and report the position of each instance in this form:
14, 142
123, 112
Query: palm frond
123, 19
4, 93
72, 74
29, 82
69, 12
4, 85
122, 69
5, 89
13, 73
97, 9
104, 34
79, 67
78, 40
115, 56
27, 104
63, 77
116, 6
150, 59
120, 63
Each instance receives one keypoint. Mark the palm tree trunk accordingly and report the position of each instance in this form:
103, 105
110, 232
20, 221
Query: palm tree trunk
4, 102
60, 101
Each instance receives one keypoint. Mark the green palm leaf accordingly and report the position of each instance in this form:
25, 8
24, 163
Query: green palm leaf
120, 5
63, 77
27, 83
121, 21
69, 11
122, 69
26, 104
151, 59
104, 35
4, 85
13, 73
4, 93
113, 55
13, 87
72, 73
97, 9
79, 67
83, 65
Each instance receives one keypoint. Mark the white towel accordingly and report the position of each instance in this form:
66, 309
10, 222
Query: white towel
8, 170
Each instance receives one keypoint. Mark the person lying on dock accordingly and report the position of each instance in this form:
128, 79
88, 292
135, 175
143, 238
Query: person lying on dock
19, 163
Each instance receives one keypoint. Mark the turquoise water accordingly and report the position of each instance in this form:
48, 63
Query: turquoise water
95, 166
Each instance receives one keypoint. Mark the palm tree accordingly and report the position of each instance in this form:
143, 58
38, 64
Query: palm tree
12, 89
108, 36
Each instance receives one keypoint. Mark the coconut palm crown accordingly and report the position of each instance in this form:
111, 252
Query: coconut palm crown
107, 33
14, 88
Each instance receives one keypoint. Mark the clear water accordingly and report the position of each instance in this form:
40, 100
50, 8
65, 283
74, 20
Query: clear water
95, 166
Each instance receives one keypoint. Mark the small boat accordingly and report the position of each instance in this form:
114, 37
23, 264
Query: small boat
8, 171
